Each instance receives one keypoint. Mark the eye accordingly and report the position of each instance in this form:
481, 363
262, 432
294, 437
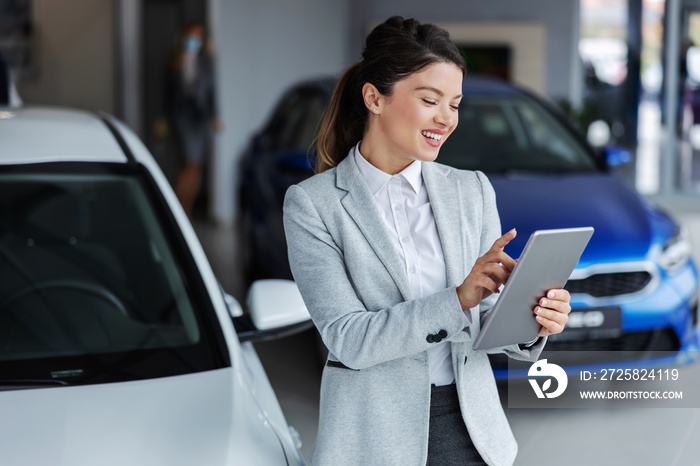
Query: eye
454, 107
429, 101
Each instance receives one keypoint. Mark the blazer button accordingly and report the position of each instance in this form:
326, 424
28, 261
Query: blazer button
430, 338
442, 333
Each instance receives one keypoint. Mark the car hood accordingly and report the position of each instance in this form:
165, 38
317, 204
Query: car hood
199, 418
625, 226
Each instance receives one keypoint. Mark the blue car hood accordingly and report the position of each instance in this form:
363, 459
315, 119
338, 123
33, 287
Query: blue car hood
625, 226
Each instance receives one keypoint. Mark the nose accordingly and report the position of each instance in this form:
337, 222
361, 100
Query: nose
445, 116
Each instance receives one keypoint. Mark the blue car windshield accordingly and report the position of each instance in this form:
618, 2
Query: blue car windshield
92, 286
512, 133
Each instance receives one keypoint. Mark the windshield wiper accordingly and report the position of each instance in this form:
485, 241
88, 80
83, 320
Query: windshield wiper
19, 384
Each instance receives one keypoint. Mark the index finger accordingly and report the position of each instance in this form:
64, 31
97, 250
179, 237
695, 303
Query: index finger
503, 241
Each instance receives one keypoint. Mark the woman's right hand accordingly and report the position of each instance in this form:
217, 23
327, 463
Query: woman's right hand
488, 274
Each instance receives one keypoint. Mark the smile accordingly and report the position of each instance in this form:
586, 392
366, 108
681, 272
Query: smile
433, 136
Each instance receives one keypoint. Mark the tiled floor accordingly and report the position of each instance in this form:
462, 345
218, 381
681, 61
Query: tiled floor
574, 437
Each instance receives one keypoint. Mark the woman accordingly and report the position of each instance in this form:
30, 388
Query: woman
189, 108
380, 243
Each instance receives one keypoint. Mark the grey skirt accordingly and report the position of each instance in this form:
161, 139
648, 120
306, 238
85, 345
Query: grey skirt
448, 440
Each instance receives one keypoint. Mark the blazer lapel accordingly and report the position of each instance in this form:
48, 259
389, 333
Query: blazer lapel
446, 201
360, 204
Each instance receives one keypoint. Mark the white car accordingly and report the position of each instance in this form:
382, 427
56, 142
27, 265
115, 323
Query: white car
117, 344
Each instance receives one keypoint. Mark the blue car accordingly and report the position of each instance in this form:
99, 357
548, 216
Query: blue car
635, 287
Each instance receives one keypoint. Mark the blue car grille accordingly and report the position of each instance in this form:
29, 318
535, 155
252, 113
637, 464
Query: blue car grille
610, 284
629, 346
663, 339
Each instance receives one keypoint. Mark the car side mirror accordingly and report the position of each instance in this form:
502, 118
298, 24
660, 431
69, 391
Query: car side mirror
598, 134
616, 156
275, 309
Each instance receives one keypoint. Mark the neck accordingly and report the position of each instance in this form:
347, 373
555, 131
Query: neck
376, 153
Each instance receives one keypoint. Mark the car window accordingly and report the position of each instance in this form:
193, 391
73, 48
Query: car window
504, 133
309, 124
88, 270
290, 119
297, 120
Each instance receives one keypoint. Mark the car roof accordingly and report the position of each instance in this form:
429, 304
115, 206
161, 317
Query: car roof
325, 84
476, 84
44, 134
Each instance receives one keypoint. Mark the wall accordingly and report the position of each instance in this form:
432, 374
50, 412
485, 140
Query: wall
75, 53
262, 47
560, 18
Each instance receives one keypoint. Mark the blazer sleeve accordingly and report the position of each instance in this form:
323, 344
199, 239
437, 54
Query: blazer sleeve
490, 232
357, 337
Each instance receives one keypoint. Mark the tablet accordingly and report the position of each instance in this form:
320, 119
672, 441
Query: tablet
546, 263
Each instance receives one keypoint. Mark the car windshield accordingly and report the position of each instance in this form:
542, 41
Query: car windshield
92, 288
512, 133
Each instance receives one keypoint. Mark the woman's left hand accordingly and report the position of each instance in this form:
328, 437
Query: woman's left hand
553, 312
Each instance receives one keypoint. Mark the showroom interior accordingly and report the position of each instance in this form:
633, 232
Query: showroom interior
625, 72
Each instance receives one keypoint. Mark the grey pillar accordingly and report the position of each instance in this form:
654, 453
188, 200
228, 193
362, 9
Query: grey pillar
632, 86
669, 151
128, 66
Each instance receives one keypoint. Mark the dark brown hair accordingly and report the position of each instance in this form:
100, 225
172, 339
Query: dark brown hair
393, 50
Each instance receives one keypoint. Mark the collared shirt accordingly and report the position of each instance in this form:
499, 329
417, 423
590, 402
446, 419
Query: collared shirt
404, 206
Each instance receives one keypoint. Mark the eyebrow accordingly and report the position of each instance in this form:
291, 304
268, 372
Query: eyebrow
435, 90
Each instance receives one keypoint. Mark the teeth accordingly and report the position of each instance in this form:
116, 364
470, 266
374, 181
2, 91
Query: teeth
428, 134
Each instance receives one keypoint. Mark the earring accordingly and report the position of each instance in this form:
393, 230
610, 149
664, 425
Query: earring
375, 110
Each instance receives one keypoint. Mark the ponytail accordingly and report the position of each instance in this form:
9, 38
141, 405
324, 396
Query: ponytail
344, 123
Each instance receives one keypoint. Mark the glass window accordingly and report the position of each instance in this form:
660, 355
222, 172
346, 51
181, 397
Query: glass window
298, 120
310, 123
505, 133
87, 269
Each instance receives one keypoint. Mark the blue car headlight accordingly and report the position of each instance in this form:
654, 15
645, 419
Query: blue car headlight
677, 250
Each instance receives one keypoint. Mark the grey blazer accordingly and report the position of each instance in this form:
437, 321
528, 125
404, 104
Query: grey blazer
375, 389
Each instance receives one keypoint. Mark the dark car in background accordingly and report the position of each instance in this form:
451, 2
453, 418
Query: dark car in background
635, 287
277, 158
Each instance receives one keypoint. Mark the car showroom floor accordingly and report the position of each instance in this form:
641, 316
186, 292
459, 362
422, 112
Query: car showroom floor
610, 436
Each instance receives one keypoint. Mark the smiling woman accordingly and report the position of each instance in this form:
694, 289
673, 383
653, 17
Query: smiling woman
380, 242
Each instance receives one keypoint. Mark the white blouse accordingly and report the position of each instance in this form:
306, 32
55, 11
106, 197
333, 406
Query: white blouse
403, 202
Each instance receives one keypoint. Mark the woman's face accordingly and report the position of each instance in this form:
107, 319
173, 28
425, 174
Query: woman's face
419, 116
192, 41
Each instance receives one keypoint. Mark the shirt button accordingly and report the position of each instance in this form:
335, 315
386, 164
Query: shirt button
405, 239
397, 207
413, 269
395, 180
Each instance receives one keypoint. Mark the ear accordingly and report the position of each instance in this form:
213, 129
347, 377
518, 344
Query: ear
373, 99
